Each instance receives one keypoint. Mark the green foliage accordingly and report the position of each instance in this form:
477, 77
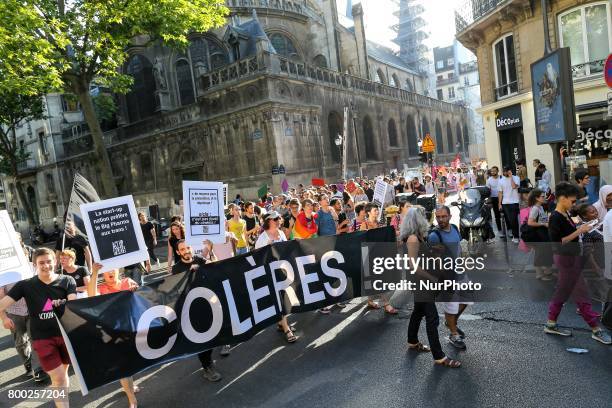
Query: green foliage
69, 43
105, 106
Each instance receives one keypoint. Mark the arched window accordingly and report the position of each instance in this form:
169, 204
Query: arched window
459, 137
392, 131
284, 46
439, 137
184, 82
425, 127
141, 99
449, 138
409, 86
394, 81
379, 76
320, 61
335, 128
206, 55
411, 134
368, 135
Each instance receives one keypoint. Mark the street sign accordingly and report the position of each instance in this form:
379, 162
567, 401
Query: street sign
608, 71
428, 144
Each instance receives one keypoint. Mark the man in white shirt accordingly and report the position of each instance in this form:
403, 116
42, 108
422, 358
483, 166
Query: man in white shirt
493, 184
509, 200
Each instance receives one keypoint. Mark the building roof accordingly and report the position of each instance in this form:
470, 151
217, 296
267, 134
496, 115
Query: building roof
253, 30
387, 56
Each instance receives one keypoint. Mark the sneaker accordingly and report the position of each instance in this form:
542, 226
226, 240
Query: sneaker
552, 328
341, 305
211, 373
457, 342
515, 240
324, 311
225, 350
40, 376
601, 336
461, 333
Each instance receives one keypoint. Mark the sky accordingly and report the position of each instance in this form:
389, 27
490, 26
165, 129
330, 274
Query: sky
439, 14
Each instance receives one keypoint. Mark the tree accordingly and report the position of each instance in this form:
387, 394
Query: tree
17, 109
84, 40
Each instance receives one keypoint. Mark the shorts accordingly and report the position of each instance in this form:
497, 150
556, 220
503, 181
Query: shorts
453, 307
51, 352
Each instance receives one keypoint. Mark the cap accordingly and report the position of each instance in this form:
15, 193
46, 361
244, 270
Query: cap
272, 214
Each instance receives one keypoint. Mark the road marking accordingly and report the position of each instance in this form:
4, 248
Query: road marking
253, 367
333, 332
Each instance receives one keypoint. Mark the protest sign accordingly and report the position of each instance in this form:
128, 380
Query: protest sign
227, 302
225, 191
14, 266
204, 215
383, 193
114, 233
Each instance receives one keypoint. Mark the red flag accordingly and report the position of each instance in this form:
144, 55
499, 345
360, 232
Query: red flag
318, 182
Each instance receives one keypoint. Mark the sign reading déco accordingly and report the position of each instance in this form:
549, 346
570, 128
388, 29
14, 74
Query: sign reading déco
509, 117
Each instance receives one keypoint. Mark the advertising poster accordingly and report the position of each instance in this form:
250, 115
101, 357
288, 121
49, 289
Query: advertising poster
14, 265
203, 212
114, 233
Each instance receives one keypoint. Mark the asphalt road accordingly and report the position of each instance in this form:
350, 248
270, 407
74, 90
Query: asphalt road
357, 357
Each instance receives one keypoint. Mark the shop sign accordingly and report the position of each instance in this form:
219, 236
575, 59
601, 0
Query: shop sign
509, 117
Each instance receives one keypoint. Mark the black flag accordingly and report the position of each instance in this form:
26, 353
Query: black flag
82, 192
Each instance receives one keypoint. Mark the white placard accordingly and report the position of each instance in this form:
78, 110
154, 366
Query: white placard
203, 212
381, 191
14, 266
114, 233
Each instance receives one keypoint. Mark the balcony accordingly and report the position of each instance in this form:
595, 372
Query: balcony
506, 90
276, 65
473, 10
468, 67
291, 8
588, 69
26, 167
446, 81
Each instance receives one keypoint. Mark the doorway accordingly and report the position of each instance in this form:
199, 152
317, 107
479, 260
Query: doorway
512, 146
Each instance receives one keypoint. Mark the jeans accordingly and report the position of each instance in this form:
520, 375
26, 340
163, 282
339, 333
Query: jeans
240, 251
511, 213
23, 341
496, 213
429, 311
571, 283
206, 358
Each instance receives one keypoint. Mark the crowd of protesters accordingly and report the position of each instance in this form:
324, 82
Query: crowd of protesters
561, 217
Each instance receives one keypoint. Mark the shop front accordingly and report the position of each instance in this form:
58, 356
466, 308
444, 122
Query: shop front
509, 125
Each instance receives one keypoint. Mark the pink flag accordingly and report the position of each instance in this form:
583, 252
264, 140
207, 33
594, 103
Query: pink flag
285, 185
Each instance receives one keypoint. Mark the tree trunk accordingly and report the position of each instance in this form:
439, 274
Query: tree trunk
102, 161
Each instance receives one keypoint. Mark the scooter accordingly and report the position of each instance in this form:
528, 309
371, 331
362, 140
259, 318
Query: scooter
475, 218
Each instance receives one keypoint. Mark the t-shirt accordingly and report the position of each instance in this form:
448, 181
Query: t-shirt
399, 188
560, 226
607, 236
77, 243
173, 241
251, 222
451, 239
493, 184
124, 284
370, 193
238, 228
538, 214
146, 233
78, 275
39, 296
181, 266
264, 239
510, 195
325, 223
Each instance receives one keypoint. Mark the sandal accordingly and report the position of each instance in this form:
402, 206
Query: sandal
448, 362
291, 338
373, 305
390, 309
419, 347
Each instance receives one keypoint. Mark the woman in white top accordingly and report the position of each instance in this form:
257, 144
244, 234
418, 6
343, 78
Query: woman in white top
430, 186
270, 235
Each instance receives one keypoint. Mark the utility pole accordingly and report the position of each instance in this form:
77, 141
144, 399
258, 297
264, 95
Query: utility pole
354, 115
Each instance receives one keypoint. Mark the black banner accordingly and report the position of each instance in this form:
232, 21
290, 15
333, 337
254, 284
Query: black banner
118, 335
82, 193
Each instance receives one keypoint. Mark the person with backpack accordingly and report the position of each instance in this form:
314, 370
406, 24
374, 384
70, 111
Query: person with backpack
448, 235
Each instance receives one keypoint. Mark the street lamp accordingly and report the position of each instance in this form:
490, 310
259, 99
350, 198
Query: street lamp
339, 141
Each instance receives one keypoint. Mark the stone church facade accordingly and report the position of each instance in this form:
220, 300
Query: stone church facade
267, 89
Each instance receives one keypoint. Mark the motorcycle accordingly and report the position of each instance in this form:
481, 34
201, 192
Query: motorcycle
474, 218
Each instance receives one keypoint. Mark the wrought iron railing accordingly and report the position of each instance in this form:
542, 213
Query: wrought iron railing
26, 165
506, 90
446, 81
588, 69
473, 10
